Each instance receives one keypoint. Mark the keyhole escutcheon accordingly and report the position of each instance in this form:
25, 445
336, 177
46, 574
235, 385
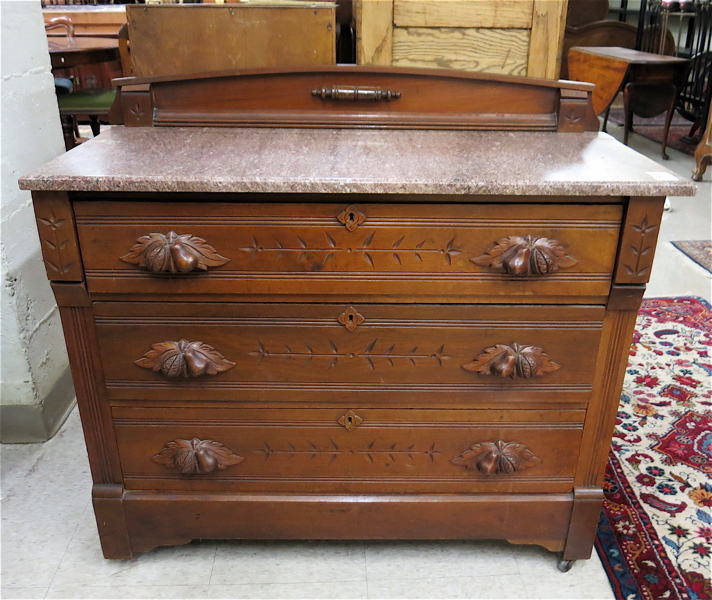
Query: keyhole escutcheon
350, 420
351, 217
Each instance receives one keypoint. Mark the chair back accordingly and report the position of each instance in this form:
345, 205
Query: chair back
64, 22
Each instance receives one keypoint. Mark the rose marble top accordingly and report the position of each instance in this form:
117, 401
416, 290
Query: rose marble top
264, 160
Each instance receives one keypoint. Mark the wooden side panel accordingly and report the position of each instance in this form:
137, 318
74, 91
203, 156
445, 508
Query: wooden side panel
612, 361
374, 31
168, 40
80, 337
512, 14
473, 49
156, 520
547, 36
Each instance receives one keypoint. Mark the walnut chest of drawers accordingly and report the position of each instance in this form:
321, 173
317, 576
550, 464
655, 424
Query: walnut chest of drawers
349, 303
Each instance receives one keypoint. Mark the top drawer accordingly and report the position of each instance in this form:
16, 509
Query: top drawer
301, 252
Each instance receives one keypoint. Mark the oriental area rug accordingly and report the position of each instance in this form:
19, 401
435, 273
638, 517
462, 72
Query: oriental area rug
655, 532
698, 250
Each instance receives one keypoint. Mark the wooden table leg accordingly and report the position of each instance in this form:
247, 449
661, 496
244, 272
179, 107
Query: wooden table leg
703, 153
647, 100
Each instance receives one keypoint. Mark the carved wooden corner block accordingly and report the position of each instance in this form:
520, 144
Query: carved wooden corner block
526, 256
184, 359
136, 107
351, 217
640, 234
195, 456
576, 112
58, 237
513, 361
173, 253
495, 458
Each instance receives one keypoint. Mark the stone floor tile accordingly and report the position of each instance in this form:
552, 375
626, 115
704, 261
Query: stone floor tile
491, 587
328, 590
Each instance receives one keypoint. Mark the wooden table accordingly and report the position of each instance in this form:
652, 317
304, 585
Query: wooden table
650, 82
68, 52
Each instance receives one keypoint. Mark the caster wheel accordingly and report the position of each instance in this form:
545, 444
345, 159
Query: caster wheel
565, 565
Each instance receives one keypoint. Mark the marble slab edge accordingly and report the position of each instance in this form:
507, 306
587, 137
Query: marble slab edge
315, 186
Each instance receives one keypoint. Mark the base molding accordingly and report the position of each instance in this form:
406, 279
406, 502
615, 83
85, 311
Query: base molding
32, 423
164, 519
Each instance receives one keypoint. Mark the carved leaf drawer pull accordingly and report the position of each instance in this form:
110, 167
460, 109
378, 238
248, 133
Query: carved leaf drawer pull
494, 458
196, 456
173, 253
184, 359
526, 256
513, 361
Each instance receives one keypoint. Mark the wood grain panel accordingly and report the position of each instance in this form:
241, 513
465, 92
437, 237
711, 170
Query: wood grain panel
169, 40
373, 25
484, 50
300, 450
304, 352
513, 14
547, 37
304, 249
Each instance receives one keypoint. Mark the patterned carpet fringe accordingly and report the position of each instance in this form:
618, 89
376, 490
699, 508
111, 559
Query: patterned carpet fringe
655, 533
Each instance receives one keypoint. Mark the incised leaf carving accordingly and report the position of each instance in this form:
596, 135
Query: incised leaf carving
196, 456
495, 458
184, 359
513, 361
173, 253
526, 256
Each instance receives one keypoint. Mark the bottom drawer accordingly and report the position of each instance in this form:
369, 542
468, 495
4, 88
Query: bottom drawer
348, 451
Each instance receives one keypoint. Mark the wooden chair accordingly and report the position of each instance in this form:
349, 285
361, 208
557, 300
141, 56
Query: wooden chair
91, 103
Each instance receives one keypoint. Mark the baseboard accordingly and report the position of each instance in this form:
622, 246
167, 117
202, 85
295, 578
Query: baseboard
31, 423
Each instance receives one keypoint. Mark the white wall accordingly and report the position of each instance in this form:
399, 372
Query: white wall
34, 361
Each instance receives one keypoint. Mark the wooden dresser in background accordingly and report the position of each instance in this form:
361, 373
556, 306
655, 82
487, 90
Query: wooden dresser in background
343, 303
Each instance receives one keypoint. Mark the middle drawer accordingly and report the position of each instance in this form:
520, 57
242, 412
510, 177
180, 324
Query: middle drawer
333, 354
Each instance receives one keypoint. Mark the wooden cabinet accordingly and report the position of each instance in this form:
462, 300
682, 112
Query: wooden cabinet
393, 316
